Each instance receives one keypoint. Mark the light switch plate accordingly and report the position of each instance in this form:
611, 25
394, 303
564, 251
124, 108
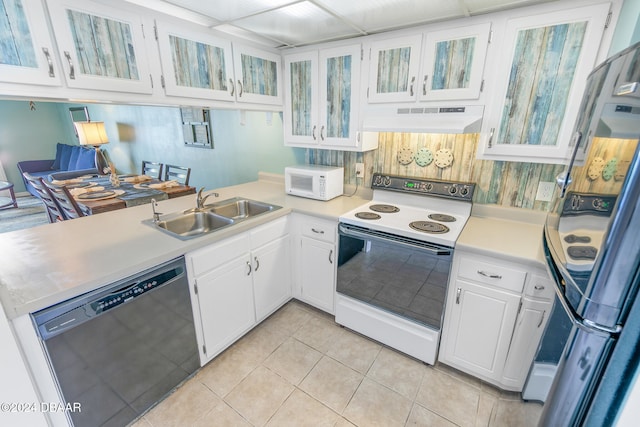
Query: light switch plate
545, 191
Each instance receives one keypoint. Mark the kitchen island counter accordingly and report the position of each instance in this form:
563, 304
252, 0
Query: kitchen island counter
48, 264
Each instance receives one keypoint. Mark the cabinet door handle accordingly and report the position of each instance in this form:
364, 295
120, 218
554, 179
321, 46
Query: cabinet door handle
322, 132
458, 292
240, 90
72, 71
491, 137
542, 318
232, 86
330, 256
313, 132
413, 80
424, 84
49, 61
489, 275
257, 263
317, 231
248, 268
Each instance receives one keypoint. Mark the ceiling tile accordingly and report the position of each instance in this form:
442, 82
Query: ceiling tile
228, 10
299, 23
376, 15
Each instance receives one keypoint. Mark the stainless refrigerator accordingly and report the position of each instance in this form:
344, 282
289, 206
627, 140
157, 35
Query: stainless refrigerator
592, 248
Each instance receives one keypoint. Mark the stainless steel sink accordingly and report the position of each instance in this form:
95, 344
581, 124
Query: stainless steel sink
208, 219
191, 224
239, 208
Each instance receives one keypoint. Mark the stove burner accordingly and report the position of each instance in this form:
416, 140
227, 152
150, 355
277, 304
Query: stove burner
367, 215
429, 227
442, 217
384, 208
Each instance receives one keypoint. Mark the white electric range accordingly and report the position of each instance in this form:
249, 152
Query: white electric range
394, 261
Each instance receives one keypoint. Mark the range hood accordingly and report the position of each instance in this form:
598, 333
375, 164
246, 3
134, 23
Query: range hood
457, 119
618, 121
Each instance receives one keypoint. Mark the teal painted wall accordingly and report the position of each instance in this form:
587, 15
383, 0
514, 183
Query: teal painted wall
627, 30
244, 143
27, 134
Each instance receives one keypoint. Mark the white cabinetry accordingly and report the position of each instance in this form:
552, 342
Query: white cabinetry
257, 75
26, 50
102, 46
491, 330
238, 282
322, 99
315, 273
449, 67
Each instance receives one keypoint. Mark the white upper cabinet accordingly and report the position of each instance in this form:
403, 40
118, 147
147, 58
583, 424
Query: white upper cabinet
443, 65
26, 51
539, 84
323, 98
257, 75
393, 70
195, 64
102, 47
453, 63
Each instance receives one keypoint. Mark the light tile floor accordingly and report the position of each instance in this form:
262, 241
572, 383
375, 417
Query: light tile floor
299, 368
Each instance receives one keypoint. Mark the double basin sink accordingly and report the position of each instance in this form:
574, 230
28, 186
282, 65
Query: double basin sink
198, 222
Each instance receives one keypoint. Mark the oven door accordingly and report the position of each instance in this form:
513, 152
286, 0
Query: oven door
402, 276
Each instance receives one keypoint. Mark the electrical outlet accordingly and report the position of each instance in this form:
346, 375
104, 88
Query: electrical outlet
545, 191
360, 170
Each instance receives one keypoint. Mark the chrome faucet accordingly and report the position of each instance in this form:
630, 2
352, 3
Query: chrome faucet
156, 215
200, 200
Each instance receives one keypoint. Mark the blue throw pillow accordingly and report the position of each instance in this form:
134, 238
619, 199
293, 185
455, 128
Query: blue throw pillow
75, 153
65, 156
56, 162
86, 159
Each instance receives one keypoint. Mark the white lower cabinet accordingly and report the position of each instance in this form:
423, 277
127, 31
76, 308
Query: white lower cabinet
238, 282
496, 313
316, 262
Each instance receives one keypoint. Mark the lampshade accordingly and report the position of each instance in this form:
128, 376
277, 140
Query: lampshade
91, 133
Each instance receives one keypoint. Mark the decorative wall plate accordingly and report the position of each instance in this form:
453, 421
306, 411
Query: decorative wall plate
424, 157
610, 169
621, 170
595, 168
444, 158
405, 156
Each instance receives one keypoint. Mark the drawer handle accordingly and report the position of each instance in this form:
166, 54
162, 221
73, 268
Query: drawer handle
538, 287
542, 318
317, 231
49, 61
72, 71
489, 275
248, 268
458, 295
330, 256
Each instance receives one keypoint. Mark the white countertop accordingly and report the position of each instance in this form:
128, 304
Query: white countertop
48, 264
509, 233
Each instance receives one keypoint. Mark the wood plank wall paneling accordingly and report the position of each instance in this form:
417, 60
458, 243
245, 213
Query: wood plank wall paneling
302, 100
197, 64
16, 47
510, 184
104, 46
259, 75
452, 66
393, 70
338, 96
544, 62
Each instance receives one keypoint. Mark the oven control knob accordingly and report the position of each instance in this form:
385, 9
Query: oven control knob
453, 189
428, 186
464, 191
387, 181
378, 180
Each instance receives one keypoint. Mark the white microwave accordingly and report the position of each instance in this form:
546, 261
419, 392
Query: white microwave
314, 181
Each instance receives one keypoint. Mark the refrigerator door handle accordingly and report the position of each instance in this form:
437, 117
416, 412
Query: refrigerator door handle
564, 179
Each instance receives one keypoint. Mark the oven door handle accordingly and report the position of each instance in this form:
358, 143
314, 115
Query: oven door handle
349, 231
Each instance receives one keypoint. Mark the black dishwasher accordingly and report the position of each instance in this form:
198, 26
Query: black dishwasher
118, 350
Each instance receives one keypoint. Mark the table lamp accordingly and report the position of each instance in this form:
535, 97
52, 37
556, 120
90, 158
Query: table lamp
94, 134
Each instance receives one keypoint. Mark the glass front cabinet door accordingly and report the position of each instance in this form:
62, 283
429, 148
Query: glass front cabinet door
538, 91
26, 51
301, 118
194, 64
102, 47
257, 75
453, 63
